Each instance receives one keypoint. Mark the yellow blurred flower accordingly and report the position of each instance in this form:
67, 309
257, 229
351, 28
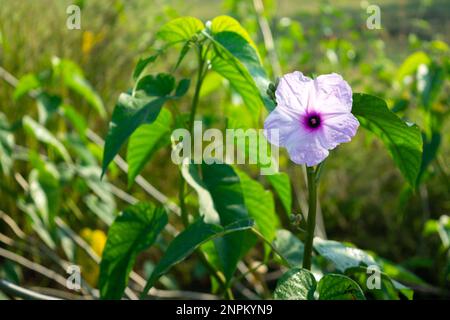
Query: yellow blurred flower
89, 269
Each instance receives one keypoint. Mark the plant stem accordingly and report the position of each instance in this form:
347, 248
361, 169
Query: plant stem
312, 206
200, 77
195, 100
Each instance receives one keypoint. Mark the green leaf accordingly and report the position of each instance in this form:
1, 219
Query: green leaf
128, 115
339, 287
156, 86
142, 64
42, 134
145, 141
227, 23
73, 77
37, 224
260, 205
237, 60
183, 87
132, 232
410, 65
180, 29
188, 240
76, 119
403, 141
45, 190
296, 284
433, 83
388, 290
47, 105
343, 257
282, 185
26, 84
221, 200
183, 53
289, 246
226, 191
6, 145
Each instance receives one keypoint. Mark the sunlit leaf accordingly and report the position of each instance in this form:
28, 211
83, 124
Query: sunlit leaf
260, 205
145, 141
128, 115
180, 29
341, 255
282, 185
403, 141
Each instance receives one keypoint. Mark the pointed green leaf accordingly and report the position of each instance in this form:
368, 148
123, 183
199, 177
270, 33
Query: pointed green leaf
132, 232
142, 64
403, 141
145, 141
129, 114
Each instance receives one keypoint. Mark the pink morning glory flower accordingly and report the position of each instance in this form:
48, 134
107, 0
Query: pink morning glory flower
312, 116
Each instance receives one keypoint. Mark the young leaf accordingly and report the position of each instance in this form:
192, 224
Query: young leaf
339, 287
343, 257
227, 23
180, 29
132, 232
296, 284
188, 240
129, 114
145, 141
142, 64
403, 141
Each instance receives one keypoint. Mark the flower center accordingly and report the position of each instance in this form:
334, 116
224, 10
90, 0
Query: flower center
313, 121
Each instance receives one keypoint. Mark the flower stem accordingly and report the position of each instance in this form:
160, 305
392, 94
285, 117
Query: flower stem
312, 206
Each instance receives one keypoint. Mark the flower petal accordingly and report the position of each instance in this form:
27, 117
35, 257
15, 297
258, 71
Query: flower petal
305, 148
333, 95
282, 121
338, 129
293, 92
